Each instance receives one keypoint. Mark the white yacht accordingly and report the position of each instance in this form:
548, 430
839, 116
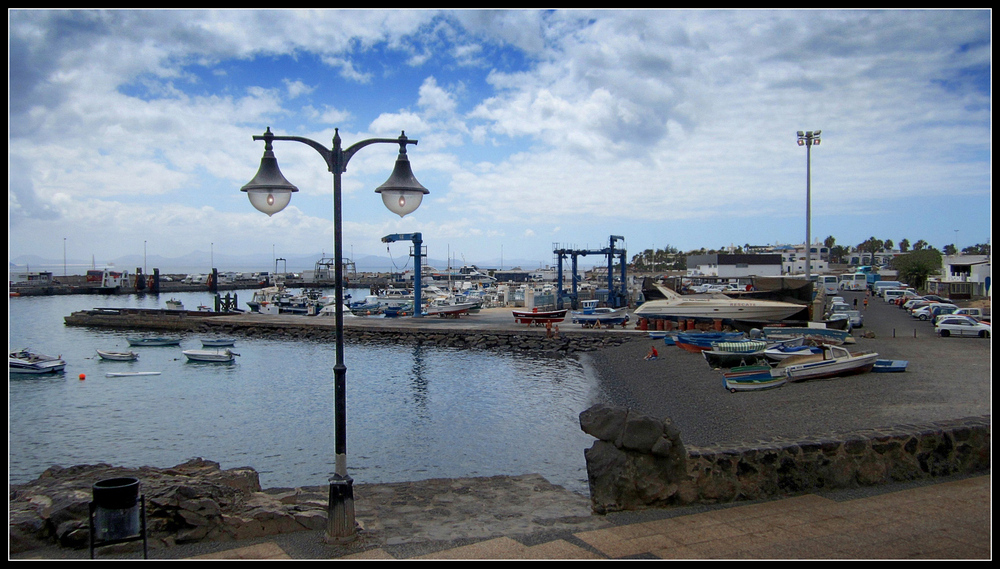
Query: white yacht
716, 306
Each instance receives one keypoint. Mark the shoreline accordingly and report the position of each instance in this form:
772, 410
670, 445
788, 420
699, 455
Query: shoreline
947, 379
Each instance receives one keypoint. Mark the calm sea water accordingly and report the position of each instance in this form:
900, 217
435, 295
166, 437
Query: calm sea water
412, 412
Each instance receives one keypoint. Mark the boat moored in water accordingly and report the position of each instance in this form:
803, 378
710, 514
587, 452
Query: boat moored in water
28, 362
218, 342
218, 356
154, 341
128, 356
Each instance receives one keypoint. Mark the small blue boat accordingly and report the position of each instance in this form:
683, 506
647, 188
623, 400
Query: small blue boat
890, 366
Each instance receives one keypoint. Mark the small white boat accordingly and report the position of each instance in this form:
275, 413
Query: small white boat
218, 343
593, 316
128, 356
28, 362
219, 356
131, 373
447, 309
174, 304
837, 361
753, 382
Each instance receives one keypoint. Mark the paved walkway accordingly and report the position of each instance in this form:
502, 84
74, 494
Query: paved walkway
945, 520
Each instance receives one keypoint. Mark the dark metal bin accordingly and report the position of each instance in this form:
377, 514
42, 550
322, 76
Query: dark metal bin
117, 513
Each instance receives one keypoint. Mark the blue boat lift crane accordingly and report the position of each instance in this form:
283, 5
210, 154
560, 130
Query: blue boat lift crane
417, 254
617, 298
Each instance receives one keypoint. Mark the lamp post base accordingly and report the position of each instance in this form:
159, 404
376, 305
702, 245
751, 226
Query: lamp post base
340, 522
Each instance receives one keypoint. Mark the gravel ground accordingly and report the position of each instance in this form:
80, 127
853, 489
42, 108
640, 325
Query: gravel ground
947, 378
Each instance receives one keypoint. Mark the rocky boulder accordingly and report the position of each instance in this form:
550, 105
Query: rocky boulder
637, 462
193, 501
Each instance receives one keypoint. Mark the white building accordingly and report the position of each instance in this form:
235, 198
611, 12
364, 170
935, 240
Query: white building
735, 266
963, 276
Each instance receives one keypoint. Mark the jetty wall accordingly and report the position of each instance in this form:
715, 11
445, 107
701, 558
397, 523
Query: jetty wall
640, 462
533, 339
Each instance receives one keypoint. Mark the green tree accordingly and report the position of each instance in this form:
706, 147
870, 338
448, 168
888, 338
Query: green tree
904, 245
950, 249
914, 268
979, 249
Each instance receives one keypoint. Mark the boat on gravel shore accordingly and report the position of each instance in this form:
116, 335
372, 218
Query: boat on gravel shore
834, 362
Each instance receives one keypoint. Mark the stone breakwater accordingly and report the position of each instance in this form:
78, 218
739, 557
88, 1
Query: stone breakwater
640, 462
520, 339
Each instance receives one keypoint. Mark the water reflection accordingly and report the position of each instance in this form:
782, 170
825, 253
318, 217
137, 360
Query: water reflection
413, 412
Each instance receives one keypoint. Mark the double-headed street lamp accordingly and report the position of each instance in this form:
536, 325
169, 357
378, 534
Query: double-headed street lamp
808, 139
270, 192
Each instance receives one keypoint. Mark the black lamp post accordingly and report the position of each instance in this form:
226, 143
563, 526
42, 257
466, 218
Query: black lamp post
270, 192
808, 139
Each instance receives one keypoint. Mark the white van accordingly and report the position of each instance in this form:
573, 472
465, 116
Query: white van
892, 294
879, 286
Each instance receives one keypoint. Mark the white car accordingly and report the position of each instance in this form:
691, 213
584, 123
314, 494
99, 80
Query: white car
957, 325
927, 312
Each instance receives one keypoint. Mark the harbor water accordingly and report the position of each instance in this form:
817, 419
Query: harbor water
413, 412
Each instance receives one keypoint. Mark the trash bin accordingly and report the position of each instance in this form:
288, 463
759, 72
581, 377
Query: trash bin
116, 509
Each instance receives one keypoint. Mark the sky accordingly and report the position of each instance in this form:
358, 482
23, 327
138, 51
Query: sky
131, 132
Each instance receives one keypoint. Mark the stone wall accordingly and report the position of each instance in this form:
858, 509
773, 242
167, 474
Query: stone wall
190, 502
640, 462
534, 341
530, 339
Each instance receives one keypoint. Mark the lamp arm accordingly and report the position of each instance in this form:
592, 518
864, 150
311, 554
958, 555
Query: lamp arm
337, 159
353, 149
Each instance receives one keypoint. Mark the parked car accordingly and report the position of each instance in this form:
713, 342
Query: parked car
857, 319
840, 307
976, 313
936, 298
927, 312
919, 304
909, 304
892, 294
953, 325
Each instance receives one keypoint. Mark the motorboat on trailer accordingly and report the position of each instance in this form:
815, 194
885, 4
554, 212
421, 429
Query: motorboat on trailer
593, 316
539, 317
128, 356
449, 309
28, 362
217, 356
714, 307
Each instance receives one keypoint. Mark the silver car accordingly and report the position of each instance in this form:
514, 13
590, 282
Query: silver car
957, 325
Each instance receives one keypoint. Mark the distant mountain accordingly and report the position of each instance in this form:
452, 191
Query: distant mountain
201, 262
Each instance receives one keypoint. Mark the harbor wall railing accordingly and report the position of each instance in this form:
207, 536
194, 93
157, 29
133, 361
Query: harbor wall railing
639, 462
